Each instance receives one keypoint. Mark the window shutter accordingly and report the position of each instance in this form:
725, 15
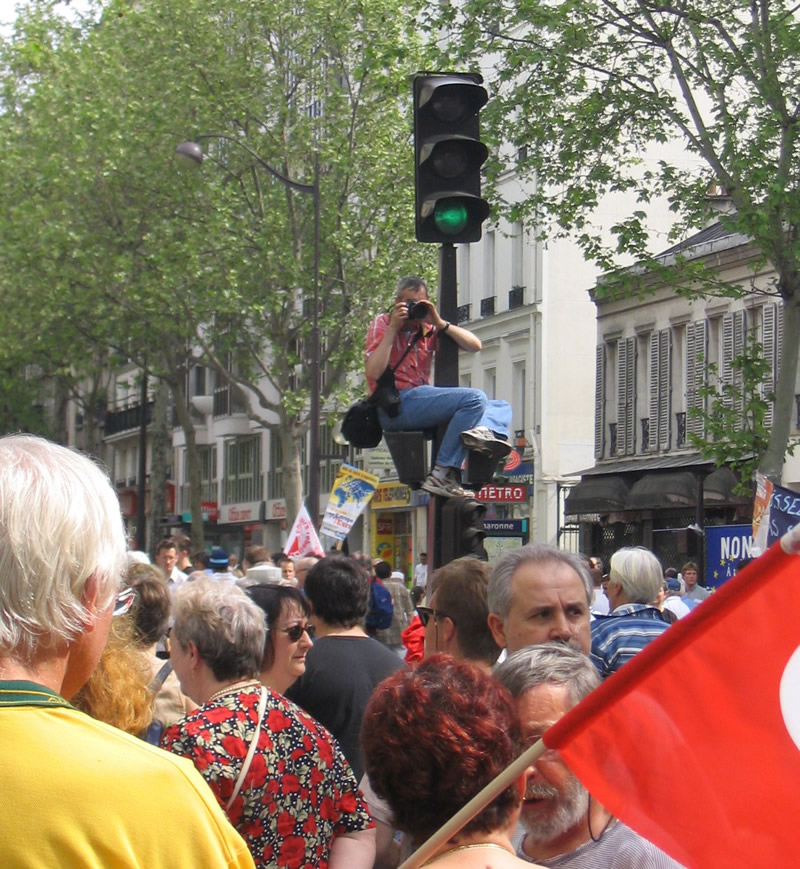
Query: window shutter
664, 388
768, 345
599, 399
696, 355
655, 392
630, 434
622, 395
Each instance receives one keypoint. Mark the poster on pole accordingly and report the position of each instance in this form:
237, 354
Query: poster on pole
351, 493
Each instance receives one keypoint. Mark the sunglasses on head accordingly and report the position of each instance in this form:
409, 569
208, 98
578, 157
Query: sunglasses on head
296, 631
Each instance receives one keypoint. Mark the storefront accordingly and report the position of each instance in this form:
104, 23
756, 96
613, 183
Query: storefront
395, 514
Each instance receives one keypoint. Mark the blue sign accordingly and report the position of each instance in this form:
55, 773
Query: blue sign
506, 527
784, 513
726, 546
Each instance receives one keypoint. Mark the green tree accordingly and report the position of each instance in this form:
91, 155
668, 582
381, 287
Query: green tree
585, 87
170, 270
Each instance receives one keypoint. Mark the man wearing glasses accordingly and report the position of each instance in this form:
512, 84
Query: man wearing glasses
457, 620
82, 791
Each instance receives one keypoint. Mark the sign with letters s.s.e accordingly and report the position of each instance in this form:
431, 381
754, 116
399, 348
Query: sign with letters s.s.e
726, 546
784, 512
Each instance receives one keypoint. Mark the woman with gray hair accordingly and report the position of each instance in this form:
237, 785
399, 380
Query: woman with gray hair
280, 777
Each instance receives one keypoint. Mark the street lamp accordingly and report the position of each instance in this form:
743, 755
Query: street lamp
190, 153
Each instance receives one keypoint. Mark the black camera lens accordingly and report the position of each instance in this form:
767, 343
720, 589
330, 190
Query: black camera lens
416, 310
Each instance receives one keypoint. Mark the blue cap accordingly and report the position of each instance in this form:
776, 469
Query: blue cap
219, 557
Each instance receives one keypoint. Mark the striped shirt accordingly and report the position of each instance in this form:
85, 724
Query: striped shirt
415, 369
617, 637
619, 847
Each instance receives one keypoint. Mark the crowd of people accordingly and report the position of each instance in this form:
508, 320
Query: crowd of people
195, 712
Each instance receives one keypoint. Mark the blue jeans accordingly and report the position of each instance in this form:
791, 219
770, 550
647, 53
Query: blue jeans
461, 408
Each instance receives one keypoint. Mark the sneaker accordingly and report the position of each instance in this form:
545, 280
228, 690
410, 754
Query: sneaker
485, 441
447, 487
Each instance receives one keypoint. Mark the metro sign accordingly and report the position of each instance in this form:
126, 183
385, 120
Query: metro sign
503, 494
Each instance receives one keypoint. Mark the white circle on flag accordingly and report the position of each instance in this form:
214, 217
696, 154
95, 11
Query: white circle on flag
790, 697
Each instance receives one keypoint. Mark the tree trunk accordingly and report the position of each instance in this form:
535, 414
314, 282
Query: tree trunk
771, 464
192, 464
292, 478
160, 452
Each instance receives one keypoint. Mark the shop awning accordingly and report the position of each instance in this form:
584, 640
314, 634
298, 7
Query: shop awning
597, 495
656, 491
718, 487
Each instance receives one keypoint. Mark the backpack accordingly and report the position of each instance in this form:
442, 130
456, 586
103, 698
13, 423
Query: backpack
381, 610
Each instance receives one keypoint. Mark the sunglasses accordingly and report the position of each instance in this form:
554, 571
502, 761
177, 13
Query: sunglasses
296, 631
425, 614
124, 601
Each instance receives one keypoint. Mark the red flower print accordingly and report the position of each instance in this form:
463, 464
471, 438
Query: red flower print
278, 720
290, 784
292, 852
233, 746
285, 825
348, 802
216, 715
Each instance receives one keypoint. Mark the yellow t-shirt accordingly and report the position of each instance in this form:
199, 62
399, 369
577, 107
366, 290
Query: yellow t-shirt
78, 794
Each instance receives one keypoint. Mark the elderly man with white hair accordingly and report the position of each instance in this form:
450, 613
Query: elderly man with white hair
79, 793
561, 825
634, 581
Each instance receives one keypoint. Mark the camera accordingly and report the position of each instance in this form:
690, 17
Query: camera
416, 310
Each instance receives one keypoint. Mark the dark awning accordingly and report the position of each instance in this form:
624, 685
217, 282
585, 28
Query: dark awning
718, 487
654, 491
597, 495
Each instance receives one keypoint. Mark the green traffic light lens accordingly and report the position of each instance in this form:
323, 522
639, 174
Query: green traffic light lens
450, 216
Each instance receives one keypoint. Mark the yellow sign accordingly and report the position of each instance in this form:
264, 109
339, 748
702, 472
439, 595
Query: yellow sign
391, 495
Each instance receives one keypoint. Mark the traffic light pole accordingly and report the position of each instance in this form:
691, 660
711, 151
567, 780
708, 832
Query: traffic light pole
446, 375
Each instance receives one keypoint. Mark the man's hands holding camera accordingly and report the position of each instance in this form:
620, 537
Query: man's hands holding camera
406, 313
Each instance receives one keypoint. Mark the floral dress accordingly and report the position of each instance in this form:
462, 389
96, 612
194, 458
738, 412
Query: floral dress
299, 793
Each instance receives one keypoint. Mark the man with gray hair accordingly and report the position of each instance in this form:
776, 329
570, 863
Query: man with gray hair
634, 581
560, 824
539, 594
79, 793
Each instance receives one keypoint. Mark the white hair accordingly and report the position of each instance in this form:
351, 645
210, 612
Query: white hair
639, 573
60, 525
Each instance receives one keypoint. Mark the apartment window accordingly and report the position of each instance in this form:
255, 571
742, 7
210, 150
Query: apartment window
275, 479
242, 481
207, 456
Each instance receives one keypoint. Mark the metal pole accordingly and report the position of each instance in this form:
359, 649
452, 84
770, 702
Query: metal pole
313, 459
141, 529
446, 375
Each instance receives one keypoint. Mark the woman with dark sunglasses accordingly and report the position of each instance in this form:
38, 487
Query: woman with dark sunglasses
289, 634
281, 779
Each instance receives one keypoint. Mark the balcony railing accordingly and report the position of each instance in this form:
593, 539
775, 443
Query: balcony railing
487, 306
516, 297
128, 419
226, 403
612, 438
463, 313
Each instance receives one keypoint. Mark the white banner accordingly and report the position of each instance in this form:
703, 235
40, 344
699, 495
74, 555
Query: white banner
351, 493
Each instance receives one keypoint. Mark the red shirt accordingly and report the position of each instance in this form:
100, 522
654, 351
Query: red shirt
415, 369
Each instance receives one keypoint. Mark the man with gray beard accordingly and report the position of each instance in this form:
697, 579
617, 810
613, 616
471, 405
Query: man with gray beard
561, 825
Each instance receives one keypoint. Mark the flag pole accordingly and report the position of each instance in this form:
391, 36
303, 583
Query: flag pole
479, 802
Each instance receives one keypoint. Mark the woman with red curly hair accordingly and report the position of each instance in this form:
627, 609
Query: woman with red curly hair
433, 737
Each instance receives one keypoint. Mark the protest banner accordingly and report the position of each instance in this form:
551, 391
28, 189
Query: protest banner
302, 539
351, 493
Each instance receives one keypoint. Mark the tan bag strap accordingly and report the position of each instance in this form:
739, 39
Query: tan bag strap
262, 705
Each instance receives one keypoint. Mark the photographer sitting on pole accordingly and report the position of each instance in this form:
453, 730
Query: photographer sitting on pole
404, 341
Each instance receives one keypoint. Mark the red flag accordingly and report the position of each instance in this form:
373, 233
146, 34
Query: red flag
695, 743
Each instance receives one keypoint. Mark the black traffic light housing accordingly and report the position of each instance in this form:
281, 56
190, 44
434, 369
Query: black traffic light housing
448, 157
461, 529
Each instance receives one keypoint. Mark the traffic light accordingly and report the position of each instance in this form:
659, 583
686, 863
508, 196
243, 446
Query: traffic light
461, 529
448, 157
